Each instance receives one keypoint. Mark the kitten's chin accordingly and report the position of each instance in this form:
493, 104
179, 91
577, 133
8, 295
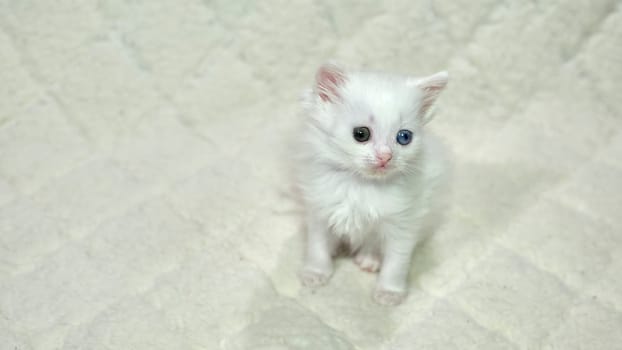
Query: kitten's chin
378, 173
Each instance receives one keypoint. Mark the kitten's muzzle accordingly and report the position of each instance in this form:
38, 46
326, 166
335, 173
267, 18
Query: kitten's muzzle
382, 159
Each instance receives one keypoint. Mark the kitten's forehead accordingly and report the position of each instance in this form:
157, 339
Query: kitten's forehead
383, 100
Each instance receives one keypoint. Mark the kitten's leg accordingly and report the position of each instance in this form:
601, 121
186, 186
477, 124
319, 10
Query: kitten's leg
392, 283
321, 245
368, 257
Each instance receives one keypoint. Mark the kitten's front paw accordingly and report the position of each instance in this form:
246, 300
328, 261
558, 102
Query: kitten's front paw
313, 278
367, 262
389, 297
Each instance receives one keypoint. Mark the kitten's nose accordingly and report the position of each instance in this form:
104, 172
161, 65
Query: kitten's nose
384, 157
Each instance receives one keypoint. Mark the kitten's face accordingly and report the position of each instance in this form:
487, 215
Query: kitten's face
370, 124
374, 142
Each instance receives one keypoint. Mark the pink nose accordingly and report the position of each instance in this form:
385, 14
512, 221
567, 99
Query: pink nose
383, 158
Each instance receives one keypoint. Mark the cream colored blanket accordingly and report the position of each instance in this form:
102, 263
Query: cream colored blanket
145, 201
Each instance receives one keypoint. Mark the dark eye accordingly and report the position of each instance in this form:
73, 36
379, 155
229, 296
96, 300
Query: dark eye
404, 137
361, 134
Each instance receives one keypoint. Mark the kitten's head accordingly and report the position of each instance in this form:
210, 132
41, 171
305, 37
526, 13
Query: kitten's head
367, 123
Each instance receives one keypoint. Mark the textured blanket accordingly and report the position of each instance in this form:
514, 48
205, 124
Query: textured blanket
145, 201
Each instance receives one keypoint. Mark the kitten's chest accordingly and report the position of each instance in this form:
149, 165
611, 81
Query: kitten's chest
355, 210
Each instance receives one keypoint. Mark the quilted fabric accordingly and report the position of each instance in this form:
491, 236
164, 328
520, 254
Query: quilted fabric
145, 200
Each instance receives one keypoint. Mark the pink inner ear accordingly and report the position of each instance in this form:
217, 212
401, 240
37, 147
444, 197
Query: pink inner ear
329, 79
430, 93
432, 87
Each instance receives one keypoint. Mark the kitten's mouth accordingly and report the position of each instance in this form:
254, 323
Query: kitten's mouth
380, 169
379, 173
377, 170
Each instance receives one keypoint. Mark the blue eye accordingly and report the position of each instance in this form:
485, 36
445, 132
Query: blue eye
404, 137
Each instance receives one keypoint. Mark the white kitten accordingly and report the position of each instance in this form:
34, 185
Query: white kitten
369, 174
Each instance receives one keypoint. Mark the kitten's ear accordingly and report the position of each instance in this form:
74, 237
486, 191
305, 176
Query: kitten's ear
328, 80
432, 86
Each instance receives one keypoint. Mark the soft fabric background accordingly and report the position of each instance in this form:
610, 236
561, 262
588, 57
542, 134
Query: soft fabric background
145, 201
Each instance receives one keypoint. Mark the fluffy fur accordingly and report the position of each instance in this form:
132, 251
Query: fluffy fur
375, 197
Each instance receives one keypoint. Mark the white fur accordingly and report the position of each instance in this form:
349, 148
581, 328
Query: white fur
379, 215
